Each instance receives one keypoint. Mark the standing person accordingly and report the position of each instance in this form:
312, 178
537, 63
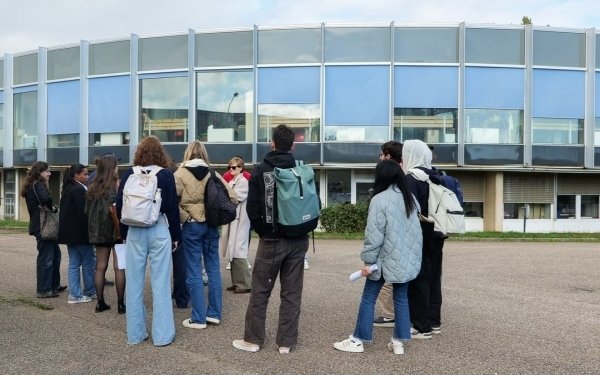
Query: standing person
154, 244
101, 196
425, 291
200, 240
36, 193
73, 231
391, 150
234, 236
393, 242
275, 254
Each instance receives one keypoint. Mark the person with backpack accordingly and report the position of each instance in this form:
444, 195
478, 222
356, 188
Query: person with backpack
200, 239
393, 242
148, 189
424, 292
277, 254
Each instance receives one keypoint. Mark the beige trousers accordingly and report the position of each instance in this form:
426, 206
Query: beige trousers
385, 301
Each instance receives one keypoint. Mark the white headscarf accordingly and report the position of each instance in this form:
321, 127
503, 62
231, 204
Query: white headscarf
416, 153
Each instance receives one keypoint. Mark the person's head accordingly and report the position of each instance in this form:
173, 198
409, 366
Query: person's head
283, 138
236, 166
416, 153
388, 172
391, 150
76, 173
39, 172
195, 150
106, 178
150, 152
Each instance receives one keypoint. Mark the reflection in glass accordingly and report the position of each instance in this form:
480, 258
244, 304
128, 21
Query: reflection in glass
431, 125
364, 191
536, 210
426, 45
109, 139
338, 187
565, 205
1, 126
164, 108
356, 133
25, 120
589, 207
225, 102
303, 118
597, 132
494, 126
561, 131
473, 209
63, 140
25, 69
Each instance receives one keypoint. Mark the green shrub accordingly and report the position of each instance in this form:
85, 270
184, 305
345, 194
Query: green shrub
345, 218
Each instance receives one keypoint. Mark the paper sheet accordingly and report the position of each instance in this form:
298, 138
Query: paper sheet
120, 250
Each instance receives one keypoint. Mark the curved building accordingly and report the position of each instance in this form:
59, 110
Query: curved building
512, 111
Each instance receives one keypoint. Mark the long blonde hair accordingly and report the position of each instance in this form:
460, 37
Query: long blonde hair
195, 150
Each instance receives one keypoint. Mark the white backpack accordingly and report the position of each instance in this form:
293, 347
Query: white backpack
141, 198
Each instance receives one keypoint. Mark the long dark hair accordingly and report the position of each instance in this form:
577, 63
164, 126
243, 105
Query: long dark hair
35, 175
69, 178
389, 172
105, 180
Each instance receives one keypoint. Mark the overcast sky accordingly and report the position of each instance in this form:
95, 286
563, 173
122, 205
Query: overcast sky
28, 24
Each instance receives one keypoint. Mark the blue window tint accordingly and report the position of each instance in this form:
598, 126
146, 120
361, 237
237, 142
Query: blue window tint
597, 95
494, 88
425, 87
288, 85
357, 95
63, 107
558, 94
109, 100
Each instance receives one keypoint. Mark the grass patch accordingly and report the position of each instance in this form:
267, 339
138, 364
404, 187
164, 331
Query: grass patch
14, 225
26, 301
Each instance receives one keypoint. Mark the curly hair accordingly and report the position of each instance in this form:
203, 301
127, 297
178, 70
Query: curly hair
35, 175
151, 152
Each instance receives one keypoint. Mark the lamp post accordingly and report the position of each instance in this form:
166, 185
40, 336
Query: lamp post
235, 95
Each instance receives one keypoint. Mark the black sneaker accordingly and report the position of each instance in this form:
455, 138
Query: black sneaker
50, 294
61, 288
382, 321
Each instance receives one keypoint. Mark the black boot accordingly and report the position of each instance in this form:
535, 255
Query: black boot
102, 306
121, 308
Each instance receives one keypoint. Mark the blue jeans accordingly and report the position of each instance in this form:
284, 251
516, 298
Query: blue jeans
366, 311
153, 244
81, 257
47, 265
201, 243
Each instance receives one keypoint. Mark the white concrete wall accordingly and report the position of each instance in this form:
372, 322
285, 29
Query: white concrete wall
549, 225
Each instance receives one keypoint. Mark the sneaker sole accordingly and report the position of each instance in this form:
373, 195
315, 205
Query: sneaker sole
188, 324
245, 348
391, 348
348, 350
213, 322
75, 302
388, 324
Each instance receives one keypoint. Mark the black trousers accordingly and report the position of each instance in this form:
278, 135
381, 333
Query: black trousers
283, 257
180, 292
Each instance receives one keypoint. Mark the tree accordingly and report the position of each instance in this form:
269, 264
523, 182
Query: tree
526, 20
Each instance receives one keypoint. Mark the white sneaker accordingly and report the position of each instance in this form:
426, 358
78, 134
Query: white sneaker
83, 299
245, 346
212, 321
306, 266
419, 335
284, 350
396, 346
228, 266
249, 266
188, 323
351, 345
436, 330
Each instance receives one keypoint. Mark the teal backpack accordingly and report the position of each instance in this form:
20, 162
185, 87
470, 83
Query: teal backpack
297, 202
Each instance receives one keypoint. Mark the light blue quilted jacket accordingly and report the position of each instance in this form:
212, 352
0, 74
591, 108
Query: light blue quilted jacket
392, 241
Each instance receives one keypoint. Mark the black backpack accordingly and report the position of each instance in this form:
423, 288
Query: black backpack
218, 207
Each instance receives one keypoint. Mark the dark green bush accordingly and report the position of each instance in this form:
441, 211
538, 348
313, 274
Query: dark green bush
345, 218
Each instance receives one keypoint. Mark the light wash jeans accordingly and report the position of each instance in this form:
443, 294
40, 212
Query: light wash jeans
81, 257
201, 243
366, 311
153, 244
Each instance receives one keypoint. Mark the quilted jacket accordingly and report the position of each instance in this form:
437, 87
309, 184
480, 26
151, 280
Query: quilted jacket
392, 241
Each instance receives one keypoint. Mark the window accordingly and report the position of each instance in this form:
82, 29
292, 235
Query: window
357, 44
431, 125
1, 126
109, 110
597, 131
224, 49
168, 52
589, 207
495, 46
25, 120
517, 211
289, 46
557, 131
535, 189
493, 126
338, 187
63, 140
552, 48
25, 69
566, 207
426, 44
304, 119
225, 102
1, 73
109, 139
63, 108
473, 209
107, 58
63, 63
164, 108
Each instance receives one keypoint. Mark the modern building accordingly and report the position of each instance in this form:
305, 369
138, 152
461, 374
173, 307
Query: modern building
513, 111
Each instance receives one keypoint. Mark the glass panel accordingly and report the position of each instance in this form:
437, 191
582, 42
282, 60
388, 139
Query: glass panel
495, 46
431, 125
508, 88
305, 119
25, 69
106, 58
597, 51
562, 131
63, 63
274, 85
558, 49
164, 108
364, 191
109, 139
426, 45
338, 187
1, 126
589, 207
493, 126
565, 205
364, 44
1, 74
225, 102
597, 131
356, 133
426, 86
25, 120
517, 210
473, 209
289, 46
63, 107
63, 140
558, 93
169, 52
109, 104
224, 49
9, 194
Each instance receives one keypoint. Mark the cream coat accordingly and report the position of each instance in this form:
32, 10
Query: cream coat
234, 236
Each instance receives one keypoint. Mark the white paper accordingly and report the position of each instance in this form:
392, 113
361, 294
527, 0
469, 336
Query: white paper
356, 275
120, 250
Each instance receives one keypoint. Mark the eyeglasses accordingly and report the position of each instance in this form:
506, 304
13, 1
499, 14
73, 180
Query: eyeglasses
232, 167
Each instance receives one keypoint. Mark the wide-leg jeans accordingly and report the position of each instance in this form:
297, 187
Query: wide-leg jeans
47, 265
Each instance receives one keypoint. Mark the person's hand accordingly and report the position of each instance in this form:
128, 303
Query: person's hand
365, 270
174, 246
